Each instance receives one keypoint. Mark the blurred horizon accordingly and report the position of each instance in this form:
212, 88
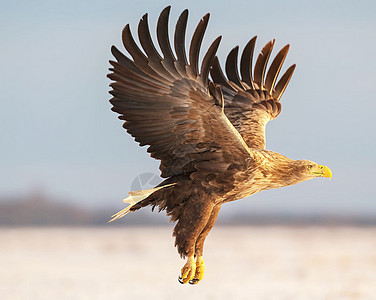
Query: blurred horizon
40, 210
59, 137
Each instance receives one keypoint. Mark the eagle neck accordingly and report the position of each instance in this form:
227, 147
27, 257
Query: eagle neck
277, 169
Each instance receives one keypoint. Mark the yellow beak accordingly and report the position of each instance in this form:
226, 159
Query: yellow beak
326, 172
321, 171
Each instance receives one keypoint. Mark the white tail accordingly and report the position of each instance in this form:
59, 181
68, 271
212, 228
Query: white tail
135, 197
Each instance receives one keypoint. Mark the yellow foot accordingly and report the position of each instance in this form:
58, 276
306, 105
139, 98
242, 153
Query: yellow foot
200, 271
188, 271
192, 271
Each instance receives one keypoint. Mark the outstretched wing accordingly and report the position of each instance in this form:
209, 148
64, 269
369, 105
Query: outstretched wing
252, 100
166, 104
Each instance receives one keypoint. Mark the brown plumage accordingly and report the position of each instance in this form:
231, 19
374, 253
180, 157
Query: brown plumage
208, 134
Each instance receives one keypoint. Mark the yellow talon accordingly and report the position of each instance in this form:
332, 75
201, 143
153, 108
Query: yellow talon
192, 272
200, 270
188, 271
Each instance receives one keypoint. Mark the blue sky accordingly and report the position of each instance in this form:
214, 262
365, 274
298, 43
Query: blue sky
59, 135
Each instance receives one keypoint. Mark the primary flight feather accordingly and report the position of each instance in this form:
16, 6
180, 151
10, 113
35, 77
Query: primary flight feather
209, 134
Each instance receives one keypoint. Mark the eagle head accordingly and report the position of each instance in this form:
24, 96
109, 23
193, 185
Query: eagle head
309, 169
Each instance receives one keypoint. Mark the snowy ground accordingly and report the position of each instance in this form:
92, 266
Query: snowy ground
141, 263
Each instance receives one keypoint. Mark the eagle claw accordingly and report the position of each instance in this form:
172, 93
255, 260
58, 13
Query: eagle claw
192, 271
194, 281
188, 271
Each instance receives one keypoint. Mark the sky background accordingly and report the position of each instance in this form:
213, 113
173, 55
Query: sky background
58, 135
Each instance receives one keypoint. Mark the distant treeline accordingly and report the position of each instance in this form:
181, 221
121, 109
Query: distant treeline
38, 211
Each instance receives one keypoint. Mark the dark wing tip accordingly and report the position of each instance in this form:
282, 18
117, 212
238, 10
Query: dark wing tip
275, 67
165, 13
246, 62
261, 62
196, 41
231, 67
179, 38
167, 8
126, 34
283, 82
163, 37
217, 75
184, 14
208, 60
126, 27
114, 49
206, 17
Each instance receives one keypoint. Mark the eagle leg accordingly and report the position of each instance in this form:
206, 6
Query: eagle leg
192, 223
199, 251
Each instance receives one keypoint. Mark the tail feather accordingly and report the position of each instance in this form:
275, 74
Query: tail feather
134, 198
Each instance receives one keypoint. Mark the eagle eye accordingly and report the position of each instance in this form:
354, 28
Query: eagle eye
309, 167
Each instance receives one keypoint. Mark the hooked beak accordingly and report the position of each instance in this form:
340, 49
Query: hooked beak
321, 171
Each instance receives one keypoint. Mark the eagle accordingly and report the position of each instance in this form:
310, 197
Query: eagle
208, 133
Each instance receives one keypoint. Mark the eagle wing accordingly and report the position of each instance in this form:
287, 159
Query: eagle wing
166, 104
252, 100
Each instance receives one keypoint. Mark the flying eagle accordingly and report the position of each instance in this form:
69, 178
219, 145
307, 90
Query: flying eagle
209, 134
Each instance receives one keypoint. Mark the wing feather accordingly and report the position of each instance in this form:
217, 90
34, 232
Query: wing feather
153, 57
166, 103
164, 43
217, 75
232, 67
261, 63
282, 84
196, 42
208, 61
250, 103
162, 35
246, 62
274, 69
179, 42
